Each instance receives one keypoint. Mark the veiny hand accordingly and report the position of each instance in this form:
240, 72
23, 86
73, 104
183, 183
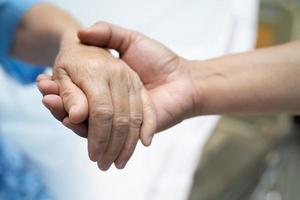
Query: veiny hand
93, 84
164, 74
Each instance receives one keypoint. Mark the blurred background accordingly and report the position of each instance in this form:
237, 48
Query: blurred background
255, 157
245, 158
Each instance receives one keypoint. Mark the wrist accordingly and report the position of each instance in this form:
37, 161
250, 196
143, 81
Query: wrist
206, 78
190, 75
196, 86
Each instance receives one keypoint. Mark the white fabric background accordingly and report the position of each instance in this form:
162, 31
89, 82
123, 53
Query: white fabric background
195, 29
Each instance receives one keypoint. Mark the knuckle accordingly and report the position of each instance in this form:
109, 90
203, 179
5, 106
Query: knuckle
116, 71
110, 155
59, 61
121, 123
136, 121
104, 113
68, 94
94, 66
94, 62
119, 68
135, 83
101, 142
60, 73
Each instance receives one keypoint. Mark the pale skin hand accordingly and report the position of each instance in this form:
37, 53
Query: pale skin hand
262, 81
117, 104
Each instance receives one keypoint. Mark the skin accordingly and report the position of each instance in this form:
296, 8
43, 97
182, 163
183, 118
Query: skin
114, 113
261, 81
157, 66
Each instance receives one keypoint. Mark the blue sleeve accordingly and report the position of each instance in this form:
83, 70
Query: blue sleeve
11, 12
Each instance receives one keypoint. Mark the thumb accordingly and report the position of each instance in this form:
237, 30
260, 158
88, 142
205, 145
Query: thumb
74, 100
55, 105
107, 35
149, 125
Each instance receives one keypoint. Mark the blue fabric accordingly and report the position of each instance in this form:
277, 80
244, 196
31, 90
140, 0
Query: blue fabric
19, 179
11, 12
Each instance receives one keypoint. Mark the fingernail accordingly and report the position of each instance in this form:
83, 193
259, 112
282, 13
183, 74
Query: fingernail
65, 122
150, 138
121, 164
72, 110
93, 156
105, 166
72, 114
46, 105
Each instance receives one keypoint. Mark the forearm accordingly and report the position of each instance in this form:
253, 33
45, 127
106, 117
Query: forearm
40, 33
262, 81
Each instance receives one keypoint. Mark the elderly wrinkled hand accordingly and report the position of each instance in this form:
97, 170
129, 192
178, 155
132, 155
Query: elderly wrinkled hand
94, 85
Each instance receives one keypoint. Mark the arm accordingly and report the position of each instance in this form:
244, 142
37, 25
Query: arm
261, 81
31, 32
116, 102
255, 82
41, 31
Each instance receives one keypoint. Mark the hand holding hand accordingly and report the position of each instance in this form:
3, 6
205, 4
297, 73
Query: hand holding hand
164, 75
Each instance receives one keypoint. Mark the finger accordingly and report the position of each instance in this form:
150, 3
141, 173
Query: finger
107, 35
80, 129
136, 118
55, 105
149, 125
75, 101
43, 77
47, 86
120, 128
100, 117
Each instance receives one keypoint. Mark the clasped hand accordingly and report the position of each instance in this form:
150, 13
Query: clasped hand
114, 102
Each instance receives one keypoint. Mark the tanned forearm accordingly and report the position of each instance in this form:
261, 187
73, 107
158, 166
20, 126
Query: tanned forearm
40, 33
262, 81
